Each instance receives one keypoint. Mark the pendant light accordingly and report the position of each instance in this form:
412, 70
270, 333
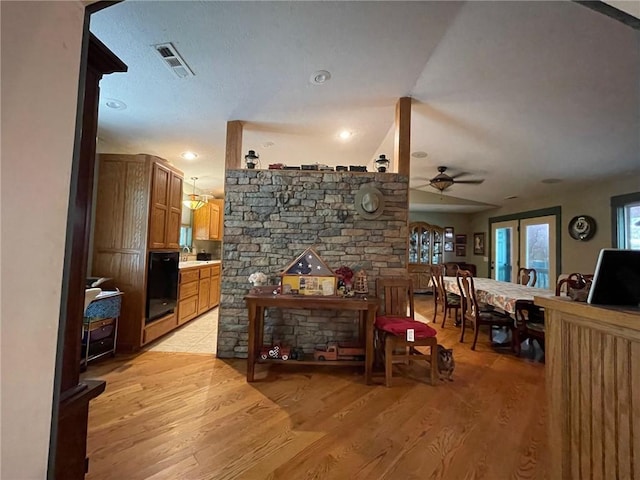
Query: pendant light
195, 201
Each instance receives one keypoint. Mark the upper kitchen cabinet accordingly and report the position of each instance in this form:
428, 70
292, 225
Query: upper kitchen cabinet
166, 207
208, 221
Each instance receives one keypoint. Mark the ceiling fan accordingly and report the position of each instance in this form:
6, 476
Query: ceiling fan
442, 181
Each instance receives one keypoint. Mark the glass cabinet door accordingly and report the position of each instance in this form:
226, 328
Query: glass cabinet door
414, 244
436, 256
425, 244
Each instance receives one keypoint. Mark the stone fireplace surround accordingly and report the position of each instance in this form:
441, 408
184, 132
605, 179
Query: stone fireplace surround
272, 216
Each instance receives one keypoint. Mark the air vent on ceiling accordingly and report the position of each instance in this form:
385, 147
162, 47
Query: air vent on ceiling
172, 59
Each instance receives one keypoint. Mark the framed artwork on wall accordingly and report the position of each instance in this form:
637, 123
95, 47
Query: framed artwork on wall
461, 250
448, 234
478, 243
461, 239
448, 246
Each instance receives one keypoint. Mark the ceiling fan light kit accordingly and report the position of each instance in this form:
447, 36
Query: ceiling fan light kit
442, 181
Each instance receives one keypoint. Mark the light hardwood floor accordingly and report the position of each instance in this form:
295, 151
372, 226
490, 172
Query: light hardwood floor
191, 416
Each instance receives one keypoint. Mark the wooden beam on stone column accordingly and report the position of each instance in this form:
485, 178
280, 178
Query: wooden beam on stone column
233, 152
402, 143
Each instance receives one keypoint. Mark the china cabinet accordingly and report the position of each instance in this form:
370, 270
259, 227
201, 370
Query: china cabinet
425, 250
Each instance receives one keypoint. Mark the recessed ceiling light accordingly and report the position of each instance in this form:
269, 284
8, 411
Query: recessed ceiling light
320, 77
115, 104
551, 180
419, 154
345, 134
189, 155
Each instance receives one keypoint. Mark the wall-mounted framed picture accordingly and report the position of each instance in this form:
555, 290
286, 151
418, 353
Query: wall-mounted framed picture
461, 250
448, 234
461, 239
448, 246
478, 243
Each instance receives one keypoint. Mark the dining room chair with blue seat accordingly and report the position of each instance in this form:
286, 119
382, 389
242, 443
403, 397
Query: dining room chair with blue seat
397, 332
473, 315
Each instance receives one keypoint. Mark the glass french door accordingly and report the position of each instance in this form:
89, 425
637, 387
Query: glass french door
529, 243
504, 251
538, 248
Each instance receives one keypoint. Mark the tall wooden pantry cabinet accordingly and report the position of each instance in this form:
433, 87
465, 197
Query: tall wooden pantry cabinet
138, 210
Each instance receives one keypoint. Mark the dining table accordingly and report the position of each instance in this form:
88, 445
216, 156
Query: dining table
502, 295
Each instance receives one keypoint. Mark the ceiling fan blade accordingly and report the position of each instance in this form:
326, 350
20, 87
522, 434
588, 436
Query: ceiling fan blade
474, 182
458, 175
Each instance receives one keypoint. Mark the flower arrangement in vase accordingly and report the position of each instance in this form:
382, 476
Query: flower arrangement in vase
258, 279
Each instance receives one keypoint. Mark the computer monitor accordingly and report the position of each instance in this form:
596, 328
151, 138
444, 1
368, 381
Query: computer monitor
617, 278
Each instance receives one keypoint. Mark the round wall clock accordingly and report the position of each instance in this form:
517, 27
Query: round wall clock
582, 227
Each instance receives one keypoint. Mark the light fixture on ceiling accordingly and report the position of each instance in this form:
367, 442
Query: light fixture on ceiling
442, 181
320, 77
251, 159
382, 163
195, 201
189, 155
345, 134
115, 104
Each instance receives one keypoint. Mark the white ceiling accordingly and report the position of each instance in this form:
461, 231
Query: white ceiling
512, 92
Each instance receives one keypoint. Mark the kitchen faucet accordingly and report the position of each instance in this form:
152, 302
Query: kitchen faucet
186, 250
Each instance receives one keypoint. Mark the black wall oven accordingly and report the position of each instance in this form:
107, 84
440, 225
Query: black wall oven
162, 284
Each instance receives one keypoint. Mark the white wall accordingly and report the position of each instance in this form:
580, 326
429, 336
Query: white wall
41, 44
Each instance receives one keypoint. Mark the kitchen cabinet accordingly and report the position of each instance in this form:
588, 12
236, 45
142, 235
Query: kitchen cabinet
214, 292
199, 291
203, 289
208, 221
425, 250
166, 208
188, 295
138, 209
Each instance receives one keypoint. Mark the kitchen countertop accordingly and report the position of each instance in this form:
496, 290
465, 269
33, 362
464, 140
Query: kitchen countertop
198, 263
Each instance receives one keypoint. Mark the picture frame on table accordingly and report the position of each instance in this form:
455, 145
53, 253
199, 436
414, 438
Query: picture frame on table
448, 234
478, 243
461, 250
461, 239
448, 246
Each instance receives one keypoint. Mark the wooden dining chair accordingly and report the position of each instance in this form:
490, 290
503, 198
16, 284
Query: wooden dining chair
395, 317
527, 276
473, 315
575, 281
529, 324
448, 300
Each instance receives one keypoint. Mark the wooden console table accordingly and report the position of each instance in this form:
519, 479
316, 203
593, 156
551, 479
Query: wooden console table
593, 387
257, 303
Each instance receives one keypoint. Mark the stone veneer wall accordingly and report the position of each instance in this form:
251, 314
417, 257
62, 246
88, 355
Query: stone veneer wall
272, 216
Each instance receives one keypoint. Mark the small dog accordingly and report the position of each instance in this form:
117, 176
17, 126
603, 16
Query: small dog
446, 364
